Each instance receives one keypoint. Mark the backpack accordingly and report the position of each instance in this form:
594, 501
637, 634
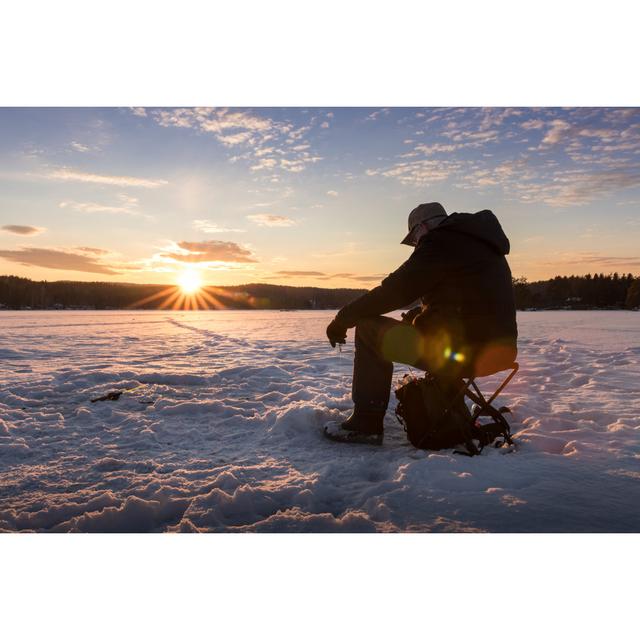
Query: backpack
434, 419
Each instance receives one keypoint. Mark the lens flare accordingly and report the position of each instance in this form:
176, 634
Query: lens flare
453, 355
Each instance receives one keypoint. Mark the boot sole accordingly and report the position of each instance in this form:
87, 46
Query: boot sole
354, 437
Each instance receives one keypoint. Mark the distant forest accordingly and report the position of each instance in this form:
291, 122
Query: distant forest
596, 291
22, 293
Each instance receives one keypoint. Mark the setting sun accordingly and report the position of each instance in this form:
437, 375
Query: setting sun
190, 281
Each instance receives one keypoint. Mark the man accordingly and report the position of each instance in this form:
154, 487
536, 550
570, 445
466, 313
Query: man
466, 324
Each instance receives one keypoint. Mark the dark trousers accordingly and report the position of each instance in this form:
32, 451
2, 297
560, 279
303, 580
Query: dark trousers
379, 342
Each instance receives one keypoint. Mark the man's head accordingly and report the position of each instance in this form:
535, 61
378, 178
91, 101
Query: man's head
422, 219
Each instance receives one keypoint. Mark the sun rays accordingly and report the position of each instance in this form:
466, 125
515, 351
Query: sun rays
190, 294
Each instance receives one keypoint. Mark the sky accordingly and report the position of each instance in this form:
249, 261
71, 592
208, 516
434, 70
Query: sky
308, 196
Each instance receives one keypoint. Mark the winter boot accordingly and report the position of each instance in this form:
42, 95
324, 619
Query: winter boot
361, 427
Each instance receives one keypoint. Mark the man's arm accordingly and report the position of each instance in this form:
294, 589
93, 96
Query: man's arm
411, 280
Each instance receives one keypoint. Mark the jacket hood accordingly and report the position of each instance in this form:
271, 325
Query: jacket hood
482, 225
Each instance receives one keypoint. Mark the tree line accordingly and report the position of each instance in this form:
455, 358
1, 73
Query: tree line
23, 293
597, 291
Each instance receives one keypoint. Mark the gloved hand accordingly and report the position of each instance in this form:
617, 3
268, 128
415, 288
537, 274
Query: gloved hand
409, 316
336, 332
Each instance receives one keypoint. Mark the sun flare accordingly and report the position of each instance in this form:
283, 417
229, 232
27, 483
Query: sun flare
190, 281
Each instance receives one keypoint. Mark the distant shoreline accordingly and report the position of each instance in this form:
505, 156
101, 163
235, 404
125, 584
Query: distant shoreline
574, 293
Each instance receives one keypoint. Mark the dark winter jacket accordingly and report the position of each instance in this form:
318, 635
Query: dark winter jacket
460, 273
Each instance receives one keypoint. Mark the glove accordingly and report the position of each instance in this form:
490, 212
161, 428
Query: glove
337, 333
409, 316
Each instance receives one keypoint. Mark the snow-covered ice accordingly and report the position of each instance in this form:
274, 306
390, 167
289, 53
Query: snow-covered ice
219, 429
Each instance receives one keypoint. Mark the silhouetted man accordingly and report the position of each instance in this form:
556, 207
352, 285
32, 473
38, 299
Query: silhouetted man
466, 323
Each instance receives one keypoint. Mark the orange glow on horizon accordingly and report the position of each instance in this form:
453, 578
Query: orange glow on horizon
180, 298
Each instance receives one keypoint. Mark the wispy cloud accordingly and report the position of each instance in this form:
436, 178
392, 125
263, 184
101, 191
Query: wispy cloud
80, 147
557, 131
534, 123
574, 188
22, 230
436, 147
593, 261
373, 278
57, 259
128, 205
71, 175
94, 250
267, 220
268, 145
419, 172
230, 127
333, 194
321, 275
294, 273
472, 138
208, 226
374, 115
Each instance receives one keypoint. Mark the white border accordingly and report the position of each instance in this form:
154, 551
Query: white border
319, 586
336, 53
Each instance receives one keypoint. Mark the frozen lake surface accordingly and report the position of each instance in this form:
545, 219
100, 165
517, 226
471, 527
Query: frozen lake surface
219, 429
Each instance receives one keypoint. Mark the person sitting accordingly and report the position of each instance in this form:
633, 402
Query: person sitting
465, 324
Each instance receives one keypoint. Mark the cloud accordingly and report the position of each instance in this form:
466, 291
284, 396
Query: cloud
230, 127
367, 278
70, 175
94, 250
572, 188
22, 230
270, 145
208, 251
472, 138
267, 220
235, 138
374, 115
299, 163
558, 131
141, 112
437, 147
321, 275
264, 163
332, 193
593, 260
290, 274
419, 172
207, 226
78, 146
495, 117
56, 259
296, 134
325, 125
535, 123
573, 134
129, 206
